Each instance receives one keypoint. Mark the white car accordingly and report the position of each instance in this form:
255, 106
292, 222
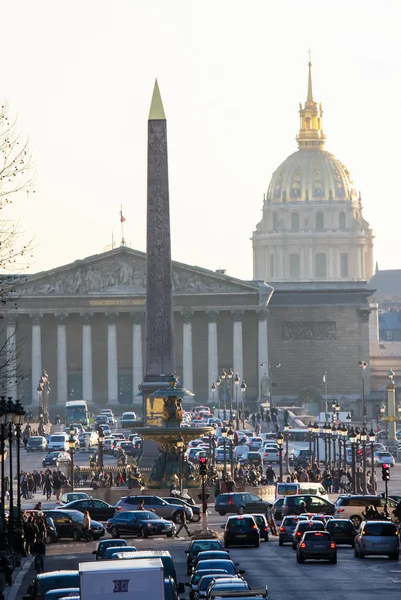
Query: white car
109, 414
269, 455
383, 458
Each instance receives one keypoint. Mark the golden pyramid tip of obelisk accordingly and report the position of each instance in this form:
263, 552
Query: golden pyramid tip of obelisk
156, 112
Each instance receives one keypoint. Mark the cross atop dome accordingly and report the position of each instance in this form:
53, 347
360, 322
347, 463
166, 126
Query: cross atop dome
311, 117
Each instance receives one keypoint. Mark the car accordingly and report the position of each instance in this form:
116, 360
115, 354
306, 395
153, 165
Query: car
197, 546
179, 501
241, 529
302, 457
112, 552
212, 555
56, 458
58, 441
98, 509
203, 584
317, 545
128, 419
101, 420
61, 593
377, 538
254, 443
269, 454
125, 445
295, 505
141, 523
52, 580
219, 455
197, 576
303, 526
287, 527
278, 509
382, 458
110, 543
69, 524
36, 443
163, 555
225, 565
353, 506
251, 458
72, 496
240, 503
225, 585
51, 531
342, 531
261, 522
161, 508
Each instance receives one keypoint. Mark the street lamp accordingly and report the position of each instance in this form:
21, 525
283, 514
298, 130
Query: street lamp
344, 434
180, 446
310, 430
236, 382
363, 366
218, 384
230, 436
224, 436
348, 419
10, 422
3, 422
353, 439
326, 429
363, 438
286, 437
279, 440
243, 390
19, 416
71, 450
372, 439
316, 452
213, 388
101, 440
334, 437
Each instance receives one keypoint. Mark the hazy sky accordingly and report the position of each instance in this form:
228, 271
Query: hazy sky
80, 75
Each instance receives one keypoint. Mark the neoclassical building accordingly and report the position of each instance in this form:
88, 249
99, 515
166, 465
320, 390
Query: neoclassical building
312, 227
84, 324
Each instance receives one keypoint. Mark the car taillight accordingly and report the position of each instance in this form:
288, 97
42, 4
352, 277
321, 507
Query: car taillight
332, 545
254, 526
299, 533
118, 508
282, 528
340, 509
231, 501
303, 545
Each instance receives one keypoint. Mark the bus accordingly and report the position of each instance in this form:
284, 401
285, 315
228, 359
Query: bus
76, 411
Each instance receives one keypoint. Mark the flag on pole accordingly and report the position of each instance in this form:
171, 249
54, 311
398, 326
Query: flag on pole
324, 378
122, 219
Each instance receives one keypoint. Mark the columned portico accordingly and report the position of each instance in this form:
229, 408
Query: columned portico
112, 360
212, 351
87, 367
62, 387
238, 357
187, 358
36, 358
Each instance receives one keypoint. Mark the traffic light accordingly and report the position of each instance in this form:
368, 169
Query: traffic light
386, 472
203, 465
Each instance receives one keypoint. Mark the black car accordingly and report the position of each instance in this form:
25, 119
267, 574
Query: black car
240, 503
98, 509
305, 526
306, 503
56, 458
197, 546
278, 508
262, 524
241, 530
140, 523
195, 509
69, 524
317, 545
104, 544
212, 555
342, 531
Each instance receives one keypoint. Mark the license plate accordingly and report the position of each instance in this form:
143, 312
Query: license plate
242, 535
379, 545
319, 546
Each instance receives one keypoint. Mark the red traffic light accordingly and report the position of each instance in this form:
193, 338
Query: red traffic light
384, 466
203, 460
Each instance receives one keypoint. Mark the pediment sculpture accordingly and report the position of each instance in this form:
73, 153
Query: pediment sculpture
120, 276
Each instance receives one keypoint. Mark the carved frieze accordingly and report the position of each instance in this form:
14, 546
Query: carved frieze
309, 330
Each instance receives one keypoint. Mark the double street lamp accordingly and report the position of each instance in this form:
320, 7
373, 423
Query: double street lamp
310, 431
363, 364
372, 439
279, 440
363, 437
224, 436
243, 390
287, 429
101, 447
230, 436
316, 449
180, 447
71, 450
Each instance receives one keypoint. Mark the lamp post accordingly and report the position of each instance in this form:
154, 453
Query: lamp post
10, 423
337, 409
316, 453
345, 434
286, 437
325, 442
213, 388
71, 450
218, 384
372, 439
236, 383
364, 437
353, 438
363, 366
180, 446
224, 436
334, 437
19, 421
100, 447
243, 390
3, 422
279, 440
230, 436
310, 430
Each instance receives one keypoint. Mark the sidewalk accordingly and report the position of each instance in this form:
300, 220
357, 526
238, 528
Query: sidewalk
11, 592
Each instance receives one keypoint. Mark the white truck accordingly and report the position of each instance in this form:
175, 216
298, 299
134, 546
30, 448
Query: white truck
141, 579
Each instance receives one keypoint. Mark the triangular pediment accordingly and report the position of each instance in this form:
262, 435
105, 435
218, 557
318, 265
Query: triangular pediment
122, 271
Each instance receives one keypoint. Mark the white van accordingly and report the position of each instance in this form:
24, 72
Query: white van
58, 441
301, 487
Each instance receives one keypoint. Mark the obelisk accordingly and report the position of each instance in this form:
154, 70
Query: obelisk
160, 361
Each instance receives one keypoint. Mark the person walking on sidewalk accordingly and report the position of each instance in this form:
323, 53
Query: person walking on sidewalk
183, 521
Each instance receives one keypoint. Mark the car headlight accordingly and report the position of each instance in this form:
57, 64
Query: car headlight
150, 525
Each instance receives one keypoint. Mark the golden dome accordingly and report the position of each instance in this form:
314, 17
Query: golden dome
311, 174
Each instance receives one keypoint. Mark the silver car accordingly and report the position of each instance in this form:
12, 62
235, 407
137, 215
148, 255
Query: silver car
158, 505
377, 538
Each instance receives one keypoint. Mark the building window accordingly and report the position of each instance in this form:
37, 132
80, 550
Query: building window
125, 389
275, 222
341, 221
271, 266
344, 265
295, 222
319, 221
388, 334
320, 265
74, 384
294, 266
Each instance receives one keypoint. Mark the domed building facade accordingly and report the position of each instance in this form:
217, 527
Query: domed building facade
312, 227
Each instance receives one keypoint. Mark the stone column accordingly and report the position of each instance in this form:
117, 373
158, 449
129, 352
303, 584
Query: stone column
36, 369
212, 352
11, 357
137, 358
187, 359
62, 381
112, 362
87, 367
238, 358
263, 352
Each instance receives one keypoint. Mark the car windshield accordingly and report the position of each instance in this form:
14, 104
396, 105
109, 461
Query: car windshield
247, 522
201, 572
317, 536
380, 529
78, 517
227, 565
205, 545
57, 438
147, 516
